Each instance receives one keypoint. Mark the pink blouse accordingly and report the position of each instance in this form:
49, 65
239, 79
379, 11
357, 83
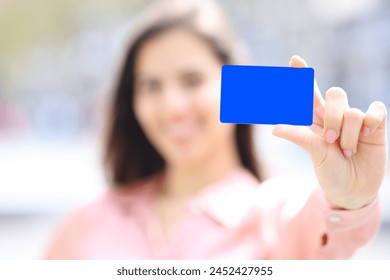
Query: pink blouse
235, 218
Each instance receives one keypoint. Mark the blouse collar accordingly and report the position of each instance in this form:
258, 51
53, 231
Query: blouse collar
226, 201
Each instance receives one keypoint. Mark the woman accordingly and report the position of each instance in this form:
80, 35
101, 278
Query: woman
185, 186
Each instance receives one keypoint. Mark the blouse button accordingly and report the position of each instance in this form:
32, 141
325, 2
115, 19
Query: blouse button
334, 218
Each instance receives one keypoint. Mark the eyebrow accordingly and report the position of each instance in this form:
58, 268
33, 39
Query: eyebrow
182, 73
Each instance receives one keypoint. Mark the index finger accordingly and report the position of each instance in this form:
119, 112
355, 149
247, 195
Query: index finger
319, 102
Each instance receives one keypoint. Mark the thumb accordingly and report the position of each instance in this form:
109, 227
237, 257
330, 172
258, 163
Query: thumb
301, 136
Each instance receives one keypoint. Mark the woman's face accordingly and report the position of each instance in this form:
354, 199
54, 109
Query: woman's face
177, 95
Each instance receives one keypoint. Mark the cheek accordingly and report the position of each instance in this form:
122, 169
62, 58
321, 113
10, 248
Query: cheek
226, 132
210, 101
210, 105
145, 115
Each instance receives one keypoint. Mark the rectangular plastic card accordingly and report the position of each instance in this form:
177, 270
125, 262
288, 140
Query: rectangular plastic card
267, 95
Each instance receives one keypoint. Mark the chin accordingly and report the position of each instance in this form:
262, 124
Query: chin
184, 157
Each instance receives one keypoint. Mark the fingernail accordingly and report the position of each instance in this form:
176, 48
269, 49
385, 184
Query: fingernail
295, 56
348, 153
366, 131
331, 136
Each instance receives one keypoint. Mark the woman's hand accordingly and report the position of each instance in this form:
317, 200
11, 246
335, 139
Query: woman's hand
348, 148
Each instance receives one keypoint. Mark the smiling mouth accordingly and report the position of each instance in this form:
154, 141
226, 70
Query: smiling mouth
182, 132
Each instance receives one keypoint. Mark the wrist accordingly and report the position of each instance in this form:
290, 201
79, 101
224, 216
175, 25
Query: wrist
350, 203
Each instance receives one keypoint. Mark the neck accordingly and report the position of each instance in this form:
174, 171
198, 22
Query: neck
186, 180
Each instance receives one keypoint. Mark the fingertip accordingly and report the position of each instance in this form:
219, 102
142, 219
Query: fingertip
280, 130
366, 131
380, 106
331, 136
375, 117
295, 56
276, 130
297, 61
336, 92
348, 153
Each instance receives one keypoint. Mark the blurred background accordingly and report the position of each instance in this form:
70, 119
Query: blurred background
58, 61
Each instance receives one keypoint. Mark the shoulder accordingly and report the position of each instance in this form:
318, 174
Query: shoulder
113, 203
136, 188
66, 235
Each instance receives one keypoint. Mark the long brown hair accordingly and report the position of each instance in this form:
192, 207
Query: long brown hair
128, 154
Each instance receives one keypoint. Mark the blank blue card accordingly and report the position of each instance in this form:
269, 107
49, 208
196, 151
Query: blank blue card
267, 95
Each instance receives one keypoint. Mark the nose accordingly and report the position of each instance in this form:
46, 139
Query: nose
175, 102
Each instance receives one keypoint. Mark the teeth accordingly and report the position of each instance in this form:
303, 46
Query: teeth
180, 131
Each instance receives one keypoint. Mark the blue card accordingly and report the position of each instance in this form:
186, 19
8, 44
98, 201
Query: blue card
267, 95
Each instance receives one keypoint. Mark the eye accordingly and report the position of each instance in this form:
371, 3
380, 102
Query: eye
148, 86
192, 81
